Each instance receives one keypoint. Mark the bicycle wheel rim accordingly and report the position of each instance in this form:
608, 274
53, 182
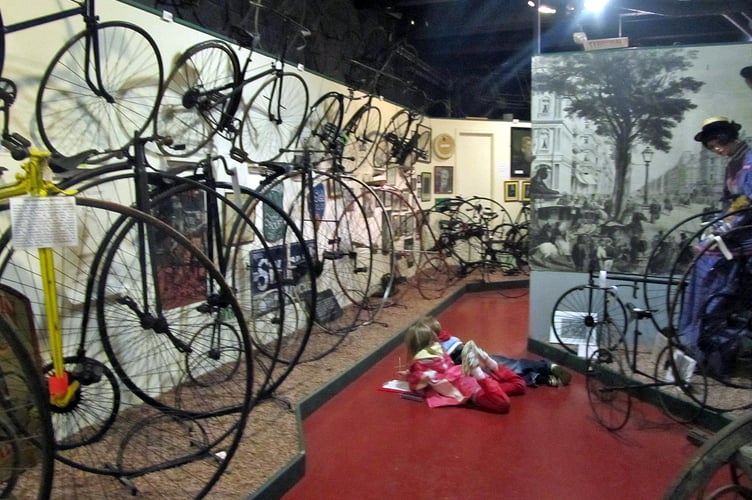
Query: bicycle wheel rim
274, 117
195, 101
132, 74
25, 426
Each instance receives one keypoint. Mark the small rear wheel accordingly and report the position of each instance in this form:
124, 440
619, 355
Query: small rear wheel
607, 387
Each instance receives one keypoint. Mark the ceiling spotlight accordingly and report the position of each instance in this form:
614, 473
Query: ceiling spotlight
594, 6
531, 3
545, 9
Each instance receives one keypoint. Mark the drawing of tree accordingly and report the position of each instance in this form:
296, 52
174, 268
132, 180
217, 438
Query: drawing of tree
632, 97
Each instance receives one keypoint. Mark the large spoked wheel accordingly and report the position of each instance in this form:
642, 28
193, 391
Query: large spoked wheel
194, 102
668, 260
363, 258
581, 308
710, 318
507, 248
127, 78
26, 436
321, 132
361, 134
433, 277
720, 468
148, 304
608, 386
392, 140
395, 229
274, 117
685, 391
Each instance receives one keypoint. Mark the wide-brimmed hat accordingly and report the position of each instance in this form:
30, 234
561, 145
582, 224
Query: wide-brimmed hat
716, 125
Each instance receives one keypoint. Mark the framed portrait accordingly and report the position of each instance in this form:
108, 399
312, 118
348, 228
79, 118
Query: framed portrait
424, 144
425, 186
443, 182
511, 191
521, 152
525, 195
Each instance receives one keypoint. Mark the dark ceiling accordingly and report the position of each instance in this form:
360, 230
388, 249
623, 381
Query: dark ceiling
455, 58
482, 49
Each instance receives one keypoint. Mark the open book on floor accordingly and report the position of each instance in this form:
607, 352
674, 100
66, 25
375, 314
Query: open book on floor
401, 387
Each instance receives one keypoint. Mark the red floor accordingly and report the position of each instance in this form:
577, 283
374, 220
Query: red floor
365, 443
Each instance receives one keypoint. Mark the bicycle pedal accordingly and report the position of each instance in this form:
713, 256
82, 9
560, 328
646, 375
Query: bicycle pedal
332, 255
238, 154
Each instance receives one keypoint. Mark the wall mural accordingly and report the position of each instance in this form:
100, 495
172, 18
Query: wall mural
615, 165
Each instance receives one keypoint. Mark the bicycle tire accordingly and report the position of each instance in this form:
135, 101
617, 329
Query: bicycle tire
366, 273
392, 139
69, 111
220, 408
274, 118
508, 246
667, 261
186, 116
318, 218
26, 436
706, 470
576, 311
728, 390
391, 208
684, 396
280, 335
320, 136
289, 325
433, 277
361, 133
162, 323
608, 385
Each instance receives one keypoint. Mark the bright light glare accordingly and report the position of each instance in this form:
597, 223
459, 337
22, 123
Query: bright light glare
531, 3
545, 9
595, 6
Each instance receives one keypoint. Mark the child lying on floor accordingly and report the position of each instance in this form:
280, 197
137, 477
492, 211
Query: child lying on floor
478, 379
534, 372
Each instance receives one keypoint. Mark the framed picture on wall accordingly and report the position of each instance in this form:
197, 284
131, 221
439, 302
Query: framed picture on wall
511, 191
525, 185
443, 180
521, 152
425, 185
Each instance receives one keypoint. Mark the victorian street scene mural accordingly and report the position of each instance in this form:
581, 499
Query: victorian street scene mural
616, 168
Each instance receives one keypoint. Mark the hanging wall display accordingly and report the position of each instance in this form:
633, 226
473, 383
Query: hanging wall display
511, 191
521, 152
425, 183
443, 180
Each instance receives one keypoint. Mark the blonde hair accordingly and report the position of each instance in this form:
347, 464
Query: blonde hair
432, 323
418, 337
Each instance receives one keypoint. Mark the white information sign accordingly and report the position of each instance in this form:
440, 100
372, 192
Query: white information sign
44, 222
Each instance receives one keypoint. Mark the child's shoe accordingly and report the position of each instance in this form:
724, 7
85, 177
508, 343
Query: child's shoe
470, 357
558, 372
